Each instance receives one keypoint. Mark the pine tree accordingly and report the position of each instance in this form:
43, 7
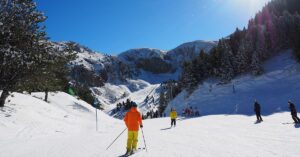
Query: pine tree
162, 101
49, 76
202, 66
256, 64
188, 78
225, 70
243, 59
296, 37
23, 44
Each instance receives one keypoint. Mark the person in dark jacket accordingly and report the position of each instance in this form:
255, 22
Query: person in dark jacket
257, 111
294, 112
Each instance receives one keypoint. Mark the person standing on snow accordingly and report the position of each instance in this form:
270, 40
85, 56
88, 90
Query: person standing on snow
133, 121
173, 116
183, 112
197, 113
257, 111
294, 112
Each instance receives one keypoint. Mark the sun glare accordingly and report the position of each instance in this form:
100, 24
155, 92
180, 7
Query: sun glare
249, 5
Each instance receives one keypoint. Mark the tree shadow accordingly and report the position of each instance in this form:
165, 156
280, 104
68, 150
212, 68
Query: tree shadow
287, 123
186, 118
296, 125
257, 122
77, 106
166, 128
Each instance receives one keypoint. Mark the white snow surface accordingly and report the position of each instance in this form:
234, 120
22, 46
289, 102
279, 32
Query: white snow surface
272, 90
65, 127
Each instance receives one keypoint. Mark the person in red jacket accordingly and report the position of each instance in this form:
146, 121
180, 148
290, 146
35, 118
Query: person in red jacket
133, 121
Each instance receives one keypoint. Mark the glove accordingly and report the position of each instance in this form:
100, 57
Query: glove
141, 126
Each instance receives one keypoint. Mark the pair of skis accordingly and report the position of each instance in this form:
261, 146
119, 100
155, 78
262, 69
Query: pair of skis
132, 152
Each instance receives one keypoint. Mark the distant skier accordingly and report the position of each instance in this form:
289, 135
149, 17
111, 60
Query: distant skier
257, 111
191, 112
173, 116
133, 121
294, 112
183, 112
197, 113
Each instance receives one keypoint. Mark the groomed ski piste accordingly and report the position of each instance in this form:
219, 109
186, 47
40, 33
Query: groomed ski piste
66, 127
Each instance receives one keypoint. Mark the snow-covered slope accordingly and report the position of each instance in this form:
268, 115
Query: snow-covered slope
25, 113
91, 60
135, 90
65, 127
273, 89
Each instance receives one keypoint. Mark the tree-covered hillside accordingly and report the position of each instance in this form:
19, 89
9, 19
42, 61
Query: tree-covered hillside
276, 27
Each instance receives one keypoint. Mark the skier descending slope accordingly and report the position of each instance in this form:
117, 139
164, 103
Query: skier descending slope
294, 112
257, 111
133, 121
173, 116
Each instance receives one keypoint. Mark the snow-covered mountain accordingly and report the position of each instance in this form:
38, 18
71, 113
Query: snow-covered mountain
134, 62
158, 61
151, 60
188, 51
90, 59
30, 127
131, 72
96, 62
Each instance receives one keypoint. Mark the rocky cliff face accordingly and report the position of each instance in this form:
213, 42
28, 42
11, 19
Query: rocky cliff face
188, 51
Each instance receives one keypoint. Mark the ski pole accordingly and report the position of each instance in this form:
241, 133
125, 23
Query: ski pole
96, 120
144, 139
116, 138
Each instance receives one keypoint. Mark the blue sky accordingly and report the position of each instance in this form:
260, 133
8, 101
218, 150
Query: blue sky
114, 26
